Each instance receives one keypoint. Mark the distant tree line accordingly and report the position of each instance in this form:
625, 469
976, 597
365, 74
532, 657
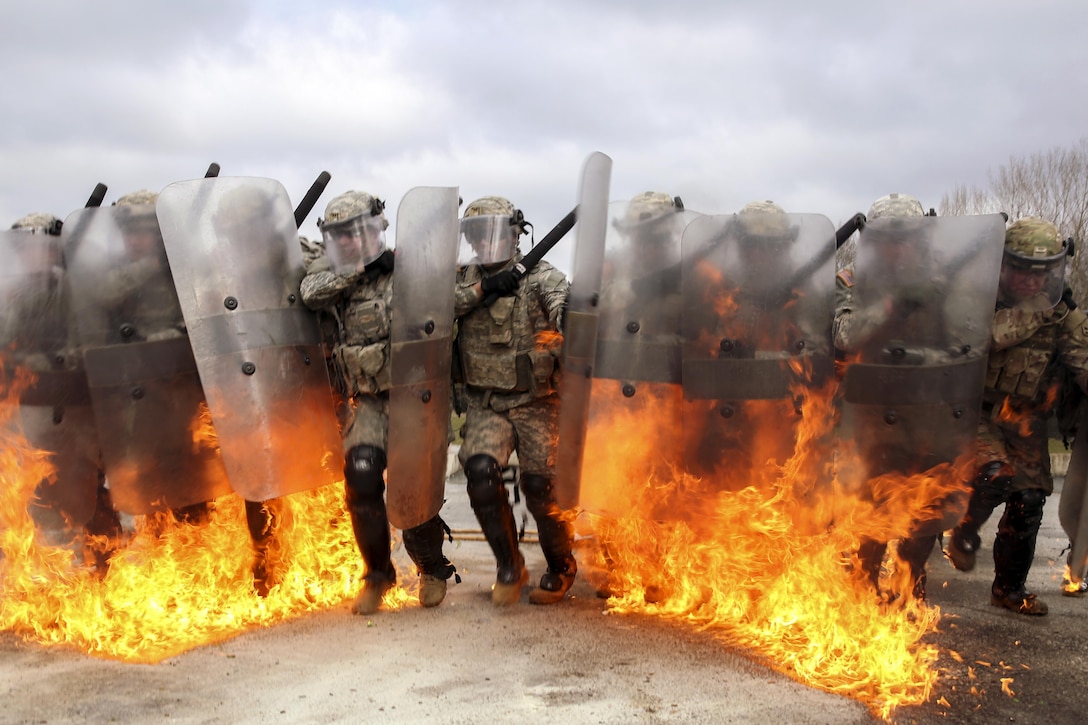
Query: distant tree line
1051, 184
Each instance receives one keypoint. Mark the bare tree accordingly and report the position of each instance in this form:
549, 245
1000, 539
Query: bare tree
1051, 184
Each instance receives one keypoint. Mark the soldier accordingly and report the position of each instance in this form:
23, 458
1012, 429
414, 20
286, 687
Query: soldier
55, 409
509, 352
354, 283
1037, 331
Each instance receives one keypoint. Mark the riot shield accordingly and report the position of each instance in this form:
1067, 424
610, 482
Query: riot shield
756, 325
158, 445
580, 326
420, 341
55, 409
916, 345
234, 250
636, 373
1073, 507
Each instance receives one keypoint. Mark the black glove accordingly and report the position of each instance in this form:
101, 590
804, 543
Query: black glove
382, 265
502, 283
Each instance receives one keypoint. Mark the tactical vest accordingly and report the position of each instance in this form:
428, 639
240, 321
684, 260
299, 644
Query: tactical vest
363, 353
510, 346
1026, 368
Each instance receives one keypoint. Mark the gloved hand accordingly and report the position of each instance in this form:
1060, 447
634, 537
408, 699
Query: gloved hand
382, 265
501, 283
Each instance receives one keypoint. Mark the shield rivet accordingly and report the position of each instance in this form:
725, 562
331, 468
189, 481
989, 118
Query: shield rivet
726, 345
426, 396
137, 393
957, 413
230, 303
628, 390
632, 327
249, 368
127, 330
291, 298
726, 411
306, 359
595, 299
891, 418
58, 415
429, 327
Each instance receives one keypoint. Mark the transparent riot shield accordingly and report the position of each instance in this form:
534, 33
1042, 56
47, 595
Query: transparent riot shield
159, 448
916, 344
580, 326
421, 352
234, 250
55, 408
635, 395
1073, 506
757, 312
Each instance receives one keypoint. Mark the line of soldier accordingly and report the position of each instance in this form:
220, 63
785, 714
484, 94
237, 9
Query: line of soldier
700, 311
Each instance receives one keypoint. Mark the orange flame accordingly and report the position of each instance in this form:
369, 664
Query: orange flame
770, 566
173, 586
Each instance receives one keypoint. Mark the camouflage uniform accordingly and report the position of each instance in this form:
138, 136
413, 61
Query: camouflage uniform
1031, 350
358, 294
509, 353
55, 410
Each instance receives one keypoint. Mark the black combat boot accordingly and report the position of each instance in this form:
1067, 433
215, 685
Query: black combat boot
424, 545
102, 534
487, 494
365, 492
556, 539
1014, 550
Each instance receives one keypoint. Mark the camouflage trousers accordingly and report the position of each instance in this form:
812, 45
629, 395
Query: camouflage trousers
532, 429
1020, 446
369, 422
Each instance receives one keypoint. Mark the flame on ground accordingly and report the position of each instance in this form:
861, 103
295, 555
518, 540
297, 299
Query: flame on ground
770, 566
171, 586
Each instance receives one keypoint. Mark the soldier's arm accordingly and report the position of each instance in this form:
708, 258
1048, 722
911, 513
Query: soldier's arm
321, 285
467, 293
553, 288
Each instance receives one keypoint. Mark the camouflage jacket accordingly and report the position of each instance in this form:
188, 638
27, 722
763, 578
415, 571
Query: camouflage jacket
361, 303
510, 350
1029, 350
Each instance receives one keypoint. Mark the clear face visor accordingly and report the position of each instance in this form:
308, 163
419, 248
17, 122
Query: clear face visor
353, 244
36, 252
487, 240
1032, 284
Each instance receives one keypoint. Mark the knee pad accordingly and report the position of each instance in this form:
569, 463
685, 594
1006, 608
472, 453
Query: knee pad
363, 473
538, 492
484, 480
1024, 513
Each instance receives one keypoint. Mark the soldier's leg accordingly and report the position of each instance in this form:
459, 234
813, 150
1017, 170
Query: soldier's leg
1014, 550
365, 493
871, 555
262, 520
915, 551
424, 545
104, 530
988, 491
491, 504
556, 536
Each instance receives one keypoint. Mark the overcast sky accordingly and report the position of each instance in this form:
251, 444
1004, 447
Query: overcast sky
820, 106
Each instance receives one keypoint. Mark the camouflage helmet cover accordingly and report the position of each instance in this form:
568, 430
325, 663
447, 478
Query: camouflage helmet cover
647, 208
1033, 238
352, 204
39, 223
895, 205
136, 211
764, 221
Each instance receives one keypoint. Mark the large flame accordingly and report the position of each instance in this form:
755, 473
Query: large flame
171, 586
770, 566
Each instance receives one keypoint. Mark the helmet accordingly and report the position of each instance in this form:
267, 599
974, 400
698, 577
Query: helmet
1033, 268
39, 223
136, 212
354, 230
764, 222
491, 226
647, 208
895, 205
